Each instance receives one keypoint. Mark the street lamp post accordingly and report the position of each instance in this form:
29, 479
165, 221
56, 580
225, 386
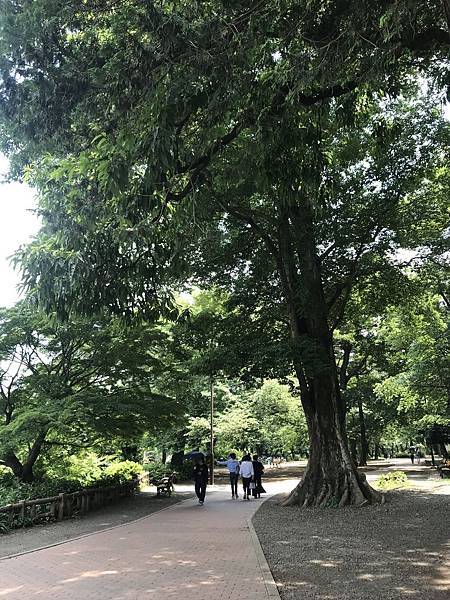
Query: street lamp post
212, 430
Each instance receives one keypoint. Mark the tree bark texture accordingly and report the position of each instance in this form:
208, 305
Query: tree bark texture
331, 477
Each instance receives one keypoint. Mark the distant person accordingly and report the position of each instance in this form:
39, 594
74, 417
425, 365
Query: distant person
412, 453
233, 469
270, 461
258, 470
418, 455
201, 475
247, 474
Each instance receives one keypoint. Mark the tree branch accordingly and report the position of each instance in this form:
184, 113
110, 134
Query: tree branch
196, 167
249, 218
428, 39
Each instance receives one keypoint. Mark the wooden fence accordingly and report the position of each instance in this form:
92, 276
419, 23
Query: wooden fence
66, 505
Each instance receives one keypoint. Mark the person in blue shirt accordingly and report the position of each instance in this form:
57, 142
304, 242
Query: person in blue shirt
233, 469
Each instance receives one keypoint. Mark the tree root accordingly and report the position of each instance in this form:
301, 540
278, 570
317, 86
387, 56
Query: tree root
316, 491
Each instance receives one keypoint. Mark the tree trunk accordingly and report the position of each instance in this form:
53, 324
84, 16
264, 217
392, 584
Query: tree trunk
353, 450
24, 471
11, 461
331, 477
27, 473
362, 433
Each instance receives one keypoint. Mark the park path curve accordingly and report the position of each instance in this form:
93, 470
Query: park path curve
185, 552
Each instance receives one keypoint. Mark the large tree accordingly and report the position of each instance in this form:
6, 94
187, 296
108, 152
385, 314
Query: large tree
225, 141
74, 385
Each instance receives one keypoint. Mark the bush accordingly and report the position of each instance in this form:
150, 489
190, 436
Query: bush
185, 471
157, 470
392, 480
123, 471
13, 491
85, 467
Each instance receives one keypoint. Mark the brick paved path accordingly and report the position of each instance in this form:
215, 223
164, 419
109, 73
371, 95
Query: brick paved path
185, 552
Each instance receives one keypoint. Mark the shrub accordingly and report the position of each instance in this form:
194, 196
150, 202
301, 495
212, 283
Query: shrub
185, 471
392, 480
85, 467
402, 454
13, 491
157, 470
123, 471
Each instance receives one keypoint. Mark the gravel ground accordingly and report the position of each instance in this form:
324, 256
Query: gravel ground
397, 550
129, 509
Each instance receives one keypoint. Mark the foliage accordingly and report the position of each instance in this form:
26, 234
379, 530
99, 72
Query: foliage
84, 467
79, 384
417, 346
13, 490
197, 431
157, 470
84, 476
389, 481
280, 154
123, 471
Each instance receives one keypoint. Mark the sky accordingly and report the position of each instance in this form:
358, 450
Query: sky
17, 225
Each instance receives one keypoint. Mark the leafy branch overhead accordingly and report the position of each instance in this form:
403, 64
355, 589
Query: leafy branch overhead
284, 153
78, 383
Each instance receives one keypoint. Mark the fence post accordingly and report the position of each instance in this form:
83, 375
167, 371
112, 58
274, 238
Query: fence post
60, 516
22, 511
69, 504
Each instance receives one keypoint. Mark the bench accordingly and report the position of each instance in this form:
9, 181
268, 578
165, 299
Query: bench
164, 485
444, 469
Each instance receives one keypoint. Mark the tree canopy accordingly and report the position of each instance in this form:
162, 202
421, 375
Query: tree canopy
77, 385
282, 152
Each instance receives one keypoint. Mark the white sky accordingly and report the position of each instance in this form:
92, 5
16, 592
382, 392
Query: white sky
17, 225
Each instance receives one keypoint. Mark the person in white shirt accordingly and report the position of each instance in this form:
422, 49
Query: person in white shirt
233, 468
247, 474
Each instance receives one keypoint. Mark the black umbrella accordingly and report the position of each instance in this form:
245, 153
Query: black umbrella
193, 455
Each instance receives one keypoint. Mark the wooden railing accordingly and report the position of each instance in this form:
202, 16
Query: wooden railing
66, 505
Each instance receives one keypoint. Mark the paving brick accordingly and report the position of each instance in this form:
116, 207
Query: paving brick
185, 552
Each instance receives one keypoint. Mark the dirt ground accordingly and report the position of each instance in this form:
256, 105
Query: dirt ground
393, 551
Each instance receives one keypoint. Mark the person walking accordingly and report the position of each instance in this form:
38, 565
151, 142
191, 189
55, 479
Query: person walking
247, 474
201, 476
258, 470
233, 469
412, 453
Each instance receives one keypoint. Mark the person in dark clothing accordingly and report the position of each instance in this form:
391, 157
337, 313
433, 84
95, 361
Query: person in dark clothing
258, 470
201, 475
